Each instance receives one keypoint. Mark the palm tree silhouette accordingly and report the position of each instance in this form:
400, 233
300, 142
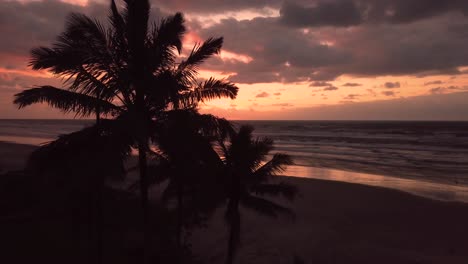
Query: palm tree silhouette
186, 141
127, 72
248, 175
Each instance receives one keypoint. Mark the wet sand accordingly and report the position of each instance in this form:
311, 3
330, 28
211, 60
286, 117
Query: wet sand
336, 222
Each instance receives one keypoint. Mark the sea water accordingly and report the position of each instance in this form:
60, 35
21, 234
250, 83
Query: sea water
424, 158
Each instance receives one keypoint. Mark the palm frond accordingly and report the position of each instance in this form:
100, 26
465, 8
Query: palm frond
201, 52
66, 101
169, 32
82, 29
209, 90
116, 19
276, 165
187, 69
249, 152
58, 61
167, 35
105, 145
84, 42
213, 126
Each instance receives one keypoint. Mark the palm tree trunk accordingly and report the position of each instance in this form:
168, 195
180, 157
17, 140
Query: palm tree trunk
142, 162
100, 220
99, 206
179, 217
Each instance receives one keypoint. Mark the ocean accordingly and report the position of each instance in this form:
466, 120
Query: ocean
425, 158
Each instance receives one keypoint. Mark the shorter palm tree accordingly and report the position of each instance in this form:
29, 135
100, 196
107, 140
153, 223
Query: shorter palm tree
249, 176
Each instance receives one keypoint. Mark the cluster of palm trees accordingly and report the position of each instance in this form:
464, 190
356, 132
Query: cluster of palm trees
144, 98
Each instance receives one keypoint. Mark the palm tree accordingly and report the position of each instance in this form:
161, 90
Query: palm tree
248, 179
127, 72
186, 141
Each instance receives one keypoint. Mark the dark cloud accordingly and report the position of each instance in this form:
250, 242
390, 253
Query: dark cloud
391, 85
262, 95
336, 13
341, 13
345, 13
408, 11
365, 50
352, 84
433, 83
31, 24
319, 84
215, 6
330, 88
368, 50
441, 90
271, 45
277, 94
388, 93
38, 23
351, 96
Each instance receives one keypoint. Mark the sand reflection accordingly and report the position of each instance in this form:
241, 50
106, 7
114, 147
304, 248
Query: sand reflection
431, 190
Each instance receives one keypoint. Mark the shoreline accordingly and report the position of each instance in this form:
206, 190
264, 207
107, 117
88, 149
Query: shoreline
336, 222
13, 157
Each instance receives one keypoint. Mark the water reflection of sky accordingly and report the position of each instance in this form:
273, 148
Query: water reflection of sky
431, 190
25, 140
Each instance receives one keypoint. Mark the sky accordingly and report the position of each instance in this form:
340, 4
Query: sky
292, 59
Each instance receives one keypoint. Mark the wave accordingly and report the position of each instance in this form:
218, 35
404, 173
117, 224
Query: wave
434, 151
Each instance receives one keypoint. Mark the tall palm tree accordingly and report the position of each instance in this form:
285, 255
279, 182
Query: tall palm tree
186, 141
249, 176
127, 72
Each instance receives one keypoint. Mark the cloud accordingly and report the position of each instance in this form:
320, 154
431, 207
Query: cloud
451, 107
38, 23
388, 93
336, 13
345, 13
326, 53
391, 85
441, 90
262, 95
277, 94
330, 88
270, 46
433, 83
351, 96
319, 84
216, 6
408, 11
352, 84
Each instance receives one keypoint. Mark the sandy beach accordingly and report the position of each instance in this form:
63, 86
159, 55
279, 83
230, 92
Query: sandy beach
335, 222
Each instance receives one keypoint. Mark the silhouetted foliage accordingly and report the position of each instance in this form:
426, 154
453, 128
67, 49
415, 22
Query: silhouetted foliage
129, 76
249, 172
128, 71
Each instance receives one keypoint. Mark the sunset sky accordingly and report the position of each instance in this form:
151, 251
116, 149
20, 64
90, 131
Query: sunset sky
297, 59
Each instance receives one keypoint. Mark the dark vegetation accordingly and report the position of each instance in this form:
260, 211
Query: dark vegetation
144, 98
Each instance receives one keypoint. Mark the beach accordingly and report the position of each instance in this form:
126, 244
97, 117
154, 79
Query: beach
335, 222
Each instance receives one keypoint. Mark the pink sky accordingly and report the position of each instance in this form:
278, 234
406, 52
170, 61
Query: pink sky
291, 60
